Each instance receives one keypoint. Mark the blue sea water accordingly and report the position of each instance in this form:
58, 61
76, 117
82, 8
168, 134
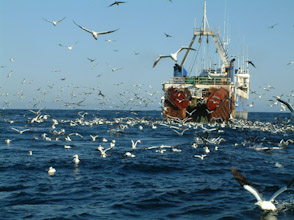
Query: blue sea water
158, 183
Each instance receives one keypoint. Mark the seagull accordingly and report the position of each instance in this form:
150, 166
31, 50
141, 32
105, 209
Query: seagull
272, 26
91, 60
290, 107
206, 149
114, 69
291, 62
19, 131
129, 154
167, 35
102, 151
251, 105
68, 47
134, 144
76, 159
9, 74
201, 156
180, 133
51, 171
264, 204
94, 33
110, 41
94, 137
250, 62
54, 22
173, 56
7, 141
116, 3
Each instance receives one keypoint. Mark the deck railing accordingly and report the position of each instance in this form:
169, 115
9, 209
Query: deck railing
200, 80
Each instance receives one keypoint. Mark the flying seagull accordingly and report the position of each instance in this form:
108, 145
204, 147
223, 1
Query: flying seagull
264, 204
167, 35
54, 22
20, 131
69, 47
290, 107
173, 56
250, 62
91, 60
94, 33
272, 26
116, 3
114, 69
291, 62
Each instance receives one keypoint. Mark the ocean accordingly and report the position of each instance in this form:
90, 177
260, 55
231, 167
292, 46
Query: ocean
160, 179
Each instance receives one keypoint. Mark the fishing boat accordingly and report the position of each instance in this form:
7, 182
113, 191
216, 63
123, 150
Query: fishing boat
214, 92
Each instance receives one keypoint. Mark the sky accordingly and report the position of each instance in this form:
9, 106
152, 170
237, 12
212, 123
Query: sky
37, 72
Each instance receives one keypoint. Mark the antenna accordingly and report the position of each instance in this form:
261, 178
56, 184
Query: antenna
205, 21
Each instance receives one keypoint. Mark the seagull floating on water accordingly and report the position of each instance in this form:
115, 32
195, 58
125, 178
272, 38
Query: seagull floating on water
76, 159
94, 33
264, 204
129, 154
51, 171
173, 56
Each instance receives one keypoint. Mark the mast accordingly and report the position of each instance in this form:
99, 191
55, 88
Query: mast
206, 31
204, 17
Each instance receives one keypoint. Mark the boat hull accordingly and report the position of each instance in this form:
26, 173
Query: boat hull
217, 106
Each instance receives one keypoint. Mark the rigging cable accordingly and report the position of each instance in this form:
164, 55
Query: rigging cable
194, 58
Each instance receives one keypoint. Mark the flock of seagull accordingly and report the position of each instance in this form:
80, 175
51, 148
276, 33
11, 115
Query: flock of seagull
209, 137
204, 143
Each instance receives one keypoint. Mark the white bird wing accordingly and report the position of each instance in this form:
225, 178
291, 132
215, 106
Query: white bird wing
60, 20
283, 189
158, 58
290, 107
48, 20
75, 43
133, 143
245, 183
108, 32
251, 189
183, 48
85, 29
108, 149
15, 129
